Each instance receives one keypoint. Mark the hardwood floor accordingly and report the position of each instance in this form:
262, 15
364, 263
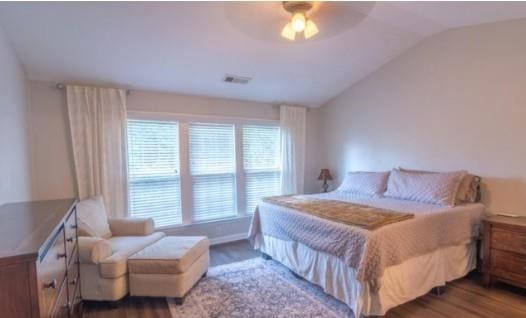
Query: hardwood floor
464, 298
232, 252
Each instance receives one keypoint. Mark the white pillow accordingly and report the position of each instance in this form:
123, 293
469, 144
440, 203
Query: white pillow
365, 183
467, 190
92, 218
435, 187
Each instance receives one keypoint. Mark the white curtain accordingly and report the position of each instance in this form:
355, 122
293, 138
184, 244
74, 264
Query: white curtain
97, 119
292, 124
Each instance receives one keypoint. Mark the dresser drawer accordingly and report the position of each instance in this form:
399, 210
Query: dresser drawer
508, 265
508, 240
75, 303
51, 272
73, 279
61, 309
70, 228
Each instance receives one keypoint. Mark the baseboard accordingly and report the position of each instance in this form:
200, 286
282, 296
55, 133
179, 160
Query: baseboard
228, 238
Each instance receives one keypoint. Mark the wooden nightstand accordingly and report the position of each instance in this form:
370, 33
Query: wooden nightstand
504, 256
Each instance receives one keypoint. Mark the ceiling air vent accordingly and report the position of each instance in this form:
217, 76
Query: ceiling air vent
236, 79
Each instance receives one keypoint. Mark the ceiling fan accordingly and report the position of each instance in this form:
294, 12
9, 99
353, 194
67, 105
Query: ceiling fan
295, 21
299, 22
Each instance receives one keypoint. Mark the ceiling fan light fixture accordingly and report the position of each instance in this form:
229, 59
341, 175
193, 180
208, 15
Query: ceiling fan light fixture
299, 21
310, 29
288, 32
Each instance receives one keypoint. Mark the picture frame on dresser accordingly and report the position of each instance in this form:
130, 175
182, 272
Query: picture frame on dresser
504, 250
39, 262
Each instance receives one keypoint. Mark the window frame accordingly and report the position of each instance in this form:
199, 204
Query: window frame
159, 177
232, 173
183, 121
245, 171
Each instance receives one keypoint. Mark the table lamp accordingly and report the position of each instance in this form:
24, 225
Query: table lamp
325, 175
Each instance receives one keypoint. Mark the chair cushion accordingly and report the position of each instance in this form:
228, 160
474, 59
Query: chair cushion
122, 248
92, 218
93, 249
170, 255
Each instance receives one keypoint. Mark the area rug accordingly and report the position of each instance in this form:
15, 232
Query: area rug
256, 288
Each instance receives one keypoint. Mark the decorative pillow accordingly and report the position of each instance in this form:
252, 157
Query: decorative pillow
366, 183
435, 188
92, 218
467, 190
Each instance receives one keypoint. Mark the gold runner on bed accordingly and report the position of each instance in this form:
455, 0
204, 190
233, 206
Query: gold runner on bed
366, 217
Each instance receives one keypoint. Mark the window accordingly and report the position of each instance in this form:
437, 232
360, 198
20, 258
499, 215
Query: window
213, 170
188, 169
153, 168
261, 163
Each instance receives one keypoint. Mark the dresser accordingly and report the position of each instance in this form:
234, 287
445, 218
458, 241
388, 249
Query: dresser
39, 265
504, 250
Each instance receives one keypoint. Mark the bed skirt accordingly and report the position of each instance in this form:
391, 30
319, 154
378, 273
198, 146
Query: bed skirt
399, 284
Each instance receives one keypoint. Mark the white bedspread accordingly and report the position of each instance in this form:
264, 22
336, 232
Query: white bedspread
370, 252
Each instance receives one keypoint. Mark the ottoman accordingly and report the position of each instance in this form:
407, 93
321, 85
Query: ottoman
169, 267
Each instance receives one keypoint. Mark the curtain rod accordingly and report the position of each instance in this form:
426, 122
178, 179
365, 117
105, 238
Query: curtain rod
62, 86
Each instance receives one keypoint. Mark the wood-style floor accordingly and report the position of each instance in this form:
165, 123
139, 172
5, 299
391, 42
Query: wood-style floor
464, 298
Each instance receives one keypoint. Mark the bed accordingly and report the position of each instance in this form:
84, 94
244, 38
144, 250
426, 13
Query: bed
371, 270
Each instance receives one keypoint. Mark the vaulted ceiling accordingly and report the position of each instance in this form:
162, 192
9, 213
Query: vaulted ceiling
188, 47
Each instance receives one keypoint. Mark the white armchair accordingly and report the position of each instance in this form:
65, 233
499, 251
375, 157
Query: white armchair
104, 247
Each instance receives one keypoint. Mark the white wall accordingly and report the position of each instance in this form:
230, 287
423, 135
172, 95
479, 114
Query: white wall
53, 160
14, 160
455, 101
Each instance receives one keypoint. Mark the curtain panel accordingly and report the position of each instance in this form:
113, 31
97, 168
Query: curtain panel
292, 125
97, 119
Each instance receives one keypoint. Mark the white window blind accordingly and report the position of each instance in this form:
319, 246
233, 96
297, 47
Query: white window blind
212, 168
153, 166
261, 163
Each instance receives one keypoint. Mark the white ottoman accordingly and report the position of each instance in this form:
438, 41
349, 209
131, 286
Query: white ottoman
169, 267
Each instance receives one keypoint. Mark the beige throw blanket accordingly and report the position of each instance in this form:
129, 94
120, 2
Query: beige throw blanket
364, 216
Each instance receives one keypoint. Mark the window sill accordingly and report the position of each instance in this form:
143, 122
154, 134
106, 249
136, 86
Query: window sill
216, 221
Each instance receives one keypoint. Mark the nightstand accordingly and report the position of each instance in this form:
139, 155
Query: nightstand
504, 250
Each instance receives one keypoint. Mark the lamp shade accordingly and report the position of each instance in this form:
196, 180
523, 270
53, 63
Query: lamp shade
325, 174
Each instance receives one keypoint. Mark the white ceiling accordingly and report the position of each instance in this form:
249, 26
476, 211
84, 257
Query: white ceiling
188, 47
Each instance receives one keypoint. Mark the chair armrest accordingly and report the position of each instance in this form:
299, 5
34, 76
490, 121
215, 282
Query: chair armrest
93, 249
131, 226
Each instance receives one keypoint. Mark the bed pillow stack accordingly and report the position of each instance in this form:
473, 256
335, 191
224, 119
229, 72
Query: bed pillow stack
468, 190
365, 183
441, 188
429, 187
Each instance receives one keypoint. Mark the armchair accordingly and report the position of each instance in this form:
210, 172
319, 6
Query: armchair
104, 247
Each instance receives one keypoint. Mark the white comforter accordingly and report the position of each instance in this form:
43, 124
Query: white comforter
370, 252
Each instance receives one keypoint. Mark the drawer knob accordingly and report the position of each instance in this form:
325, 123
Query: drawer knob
74, 226
51, 285
70, 239
65, 306
73, 282
61, 255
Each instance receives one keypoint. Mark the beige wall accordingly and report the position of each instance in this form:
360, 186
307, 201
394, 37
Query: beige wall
52, 160
457, 100
14, 163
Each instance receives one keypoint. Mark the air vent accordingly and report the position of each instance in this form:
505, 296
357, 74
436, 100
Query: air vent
236, 79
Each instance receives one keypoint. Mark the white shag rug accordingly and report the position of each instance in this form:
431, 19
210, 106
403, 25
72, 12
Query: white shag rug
256, 288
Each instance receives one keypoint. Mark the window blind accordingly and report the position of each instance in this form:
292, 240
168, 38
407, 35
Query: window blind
212, 167
153, 171
261, 163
